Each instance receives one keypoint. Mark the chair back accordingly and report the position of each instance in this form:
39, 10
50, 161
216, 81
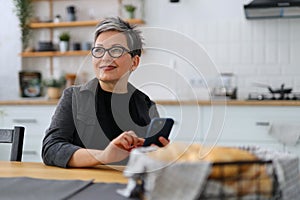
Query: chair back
15, 137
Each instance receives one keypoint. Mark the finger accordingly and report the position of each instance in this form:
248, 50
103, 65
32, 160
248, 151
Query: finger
131, 133
121, 144
163, 141
130, 140
133, 141
123, 141
136, 141
141, 141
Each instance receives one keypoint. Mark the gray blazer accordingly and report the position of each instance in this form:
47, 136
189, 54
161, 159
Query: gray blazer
75, 125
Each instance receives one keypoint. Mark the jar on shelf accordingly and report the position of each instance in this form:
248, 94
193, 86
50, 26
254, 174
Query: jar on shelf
70, 79
71, 10
57, 19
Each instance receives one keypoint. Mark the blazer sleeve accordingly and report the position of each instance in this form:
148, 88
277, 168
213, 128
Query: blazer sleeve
58, 147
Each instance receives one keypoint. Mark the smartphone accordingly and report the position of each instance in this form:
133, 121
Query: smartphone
158, 127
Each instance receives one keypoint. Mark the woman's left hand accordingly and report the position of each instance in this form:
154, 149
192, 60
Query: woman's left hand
163, 141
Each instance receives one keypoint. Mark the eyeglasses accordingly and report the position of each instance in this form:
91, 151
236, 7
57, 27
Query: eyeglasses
114, 52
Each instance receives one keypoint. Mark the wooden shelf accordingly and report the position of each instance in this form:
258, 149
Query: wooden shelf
75, 23
54, 53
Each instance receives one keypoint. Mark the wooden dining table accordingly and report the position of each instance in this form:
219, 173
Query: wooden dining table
50, 182
101, 173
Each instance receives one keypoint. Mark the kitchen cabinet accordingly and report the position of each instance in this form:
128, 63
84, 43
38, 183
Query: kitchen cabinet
237, 126
35, 119
52, 26
187, 121
241, 124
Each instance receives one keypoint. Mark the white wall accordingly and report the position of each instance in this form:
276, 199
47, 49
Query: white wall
256, 50
10, 47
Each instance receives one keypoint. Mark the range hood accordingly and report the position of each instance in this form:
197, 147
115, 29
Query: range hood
272, 9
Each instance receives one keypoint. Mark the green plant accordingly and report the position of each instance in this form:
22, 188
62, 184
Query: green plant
53, 82
64, 36
24, 11
130, 9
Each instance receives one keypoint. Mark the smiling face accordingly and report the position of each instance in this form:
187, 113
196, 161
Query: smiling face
109, 70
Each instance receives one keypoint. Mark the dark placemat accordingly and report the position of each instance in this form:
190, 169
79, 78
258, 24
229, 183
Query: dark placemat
25, 188
103, 191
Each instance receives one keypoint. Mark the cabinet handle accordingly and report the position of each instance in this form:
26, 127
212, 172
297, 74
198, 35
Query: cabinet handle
30, 152
27, 121
262, 123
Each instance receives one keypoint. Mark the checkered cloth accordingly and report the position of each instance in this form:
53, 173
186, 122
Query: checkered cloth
286, 168
187, 180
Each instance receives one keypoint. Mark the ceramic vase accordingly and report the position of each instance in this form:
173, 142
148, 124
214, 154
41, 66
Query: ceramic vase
53, 92
63, 46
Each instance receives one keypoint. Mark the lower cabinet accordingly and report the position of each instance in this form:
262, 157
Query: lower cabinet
188, 121
232, 125
35, 119
221, 125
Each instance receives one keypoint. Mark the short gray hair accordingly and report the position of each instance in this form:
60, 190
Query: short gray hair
133, 36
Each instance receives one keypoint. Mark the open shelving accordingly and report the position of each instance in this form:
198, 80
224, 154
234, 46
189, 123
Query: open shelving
54, 53
65, 24
37, 25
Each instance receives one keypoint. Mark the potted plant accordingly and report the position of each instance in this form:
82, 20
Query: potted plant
64, 39
24, 11
130, 9
54, 87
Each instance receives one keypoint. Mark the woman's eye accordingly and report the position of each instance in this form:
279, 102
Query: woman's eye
99, 50
116, 50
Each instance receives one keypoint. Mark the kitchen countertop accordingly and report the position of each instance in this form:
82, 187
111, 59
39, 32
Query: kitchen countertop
43, 101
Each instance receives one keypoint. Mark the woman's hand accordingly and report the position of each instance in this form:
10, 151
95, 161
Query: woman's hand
128, 140
163, 141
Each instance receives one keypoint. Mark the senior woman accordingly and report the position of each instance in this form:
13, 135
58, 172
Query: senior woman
101, 121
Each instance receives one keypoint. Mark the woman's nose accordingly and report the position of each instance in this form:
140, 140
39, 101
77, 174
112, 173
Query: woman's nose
107, 58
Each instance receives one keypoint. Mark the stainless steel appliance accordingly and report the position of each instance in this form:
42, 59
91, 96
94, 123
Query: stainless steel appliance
272, 9
225, 86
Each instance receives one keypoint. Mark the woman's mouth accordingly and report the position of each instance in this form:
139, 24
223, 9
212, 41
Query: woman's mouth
107, 68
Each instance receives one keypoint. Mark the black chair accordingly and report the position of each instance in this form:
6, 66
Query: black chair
15, 137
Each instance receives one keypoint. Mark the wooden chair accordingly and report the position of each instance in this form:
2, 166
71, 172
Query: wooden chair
15, 137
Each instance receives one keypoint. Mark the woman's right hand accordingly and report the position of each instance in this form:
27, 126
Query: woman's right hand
128, 140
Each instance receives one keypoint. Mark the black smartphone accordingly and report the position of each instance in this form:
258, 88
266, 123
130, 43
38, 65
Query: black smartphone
158, 127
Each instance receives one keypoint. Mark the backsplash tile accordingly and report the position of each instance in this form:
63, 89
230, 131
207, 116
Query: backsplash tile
266, 51
271, 49
284, 52
258, 50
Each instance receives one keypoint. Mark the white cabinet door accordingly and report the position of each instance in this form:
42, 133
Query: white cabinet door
251, 124
35, 119
187, 126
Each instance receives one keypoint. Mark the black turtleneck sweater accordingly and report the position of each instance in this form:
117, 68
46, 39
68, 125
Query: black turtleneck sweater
119, 112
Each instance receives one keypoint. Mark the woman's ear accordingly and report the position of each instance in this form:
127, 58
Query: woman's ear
135, 62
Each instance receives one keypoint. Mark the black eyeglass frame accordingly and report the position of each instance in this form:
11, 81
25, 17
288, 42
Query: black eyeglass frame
108, 50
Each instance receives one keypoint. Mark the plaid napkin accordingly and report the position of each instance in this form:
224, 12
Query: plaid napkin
286, 168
